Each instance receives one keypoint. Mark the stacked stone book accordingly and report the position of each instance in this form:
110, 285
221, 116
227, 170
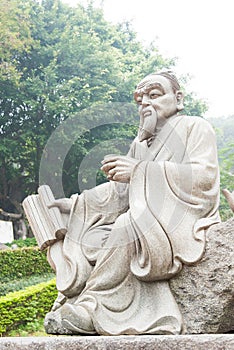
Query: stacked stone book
46, 223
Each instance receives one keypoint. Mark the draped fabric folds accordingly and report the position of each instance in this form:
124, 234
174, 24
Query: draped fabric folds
125, 241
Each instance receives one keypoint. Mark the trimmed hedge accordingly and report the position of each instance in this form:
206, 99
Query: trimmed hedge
24, 282
19, 263
28, 242
26, 306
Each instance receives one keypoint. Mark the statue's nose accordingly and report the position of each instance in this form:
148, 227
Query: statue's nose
145, 100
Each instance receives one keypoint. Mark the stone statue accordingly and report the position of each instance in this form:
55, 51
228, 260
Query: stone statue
126, 238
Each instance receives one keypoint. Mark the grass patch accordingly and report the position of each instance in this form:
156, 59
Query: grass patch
31, 329
22, 283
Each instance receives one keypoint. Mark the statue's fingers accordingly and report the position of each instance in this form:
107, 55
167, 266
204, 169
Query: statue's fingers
53, 204
121, 177
112, 171
117, 170
106, 167
109, 159
59, 203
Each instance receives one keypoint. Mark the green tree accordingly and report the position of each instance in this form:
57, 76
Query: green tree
226, 156
15, 39
66, 60
224, 128
14, 36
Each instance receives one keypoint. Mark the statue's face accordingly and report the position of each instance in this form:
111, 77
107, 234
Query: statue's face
157, 102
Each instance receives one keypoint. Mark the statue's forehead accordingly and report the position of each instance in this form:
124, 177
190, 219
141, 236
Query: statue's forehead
148, 84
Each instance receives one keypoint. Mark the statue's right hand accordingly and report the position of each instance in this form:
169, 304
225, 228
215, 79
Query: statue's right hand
64, 204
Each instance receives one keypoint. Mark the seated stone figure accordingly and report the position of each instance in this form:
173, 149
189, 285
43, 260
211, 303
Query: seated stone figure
128, 237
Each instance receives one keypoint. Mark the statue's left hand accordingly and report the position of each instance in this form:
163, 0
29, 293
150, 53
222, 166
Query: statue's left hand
64, 204
119, 168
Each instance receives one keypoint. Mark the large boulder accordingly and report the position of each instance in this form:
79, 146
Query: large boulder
205, 292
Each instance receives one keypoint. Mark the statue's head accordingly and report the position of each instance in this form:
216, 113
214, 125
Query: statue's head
166, 83
159, 97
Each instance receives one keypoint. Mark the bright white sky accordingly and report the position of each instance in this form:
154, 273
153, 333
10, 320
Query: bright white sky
199, 32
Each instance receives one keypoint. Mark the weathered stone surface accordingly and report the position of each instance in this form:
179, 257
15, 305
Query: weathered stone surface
198, 342
159, 199
53, 325
205, 293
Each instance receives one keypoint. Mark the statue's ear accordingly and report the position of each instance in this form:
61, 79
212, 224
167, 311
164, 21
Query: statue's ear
180, 100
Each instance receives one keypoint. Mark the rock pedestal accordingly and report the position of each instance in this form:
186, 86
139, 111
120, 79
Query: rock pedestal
205, 292
198, 342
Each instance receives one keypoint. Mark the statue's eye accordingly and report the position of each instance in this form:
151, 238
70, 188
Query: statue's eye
154, 95
139, 100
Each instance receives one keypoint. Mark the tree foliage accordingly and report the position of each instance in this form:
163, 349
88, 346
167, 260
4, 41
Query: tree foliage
225, 135
14, 37
57, 61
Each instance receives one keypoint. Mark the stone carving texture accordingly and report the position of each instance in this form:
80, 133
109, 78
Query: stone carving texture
205, 292
198, 342
125, 239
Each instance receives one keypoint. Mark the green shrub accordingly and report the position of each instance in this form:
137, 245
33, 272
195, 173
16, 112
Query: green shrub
25, 306
23, 262
30, 329
14, 285
28, 242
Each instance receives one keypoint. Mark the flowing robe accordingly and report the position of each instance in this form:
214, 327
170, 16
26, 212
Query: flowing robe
125, 242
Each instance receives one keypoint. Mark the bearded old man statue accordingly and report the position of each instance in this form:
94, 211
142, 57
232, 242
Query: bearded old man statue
128, 237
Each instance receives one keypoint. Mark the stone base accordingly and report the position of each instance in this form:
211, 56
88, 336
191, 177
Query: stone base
155, 342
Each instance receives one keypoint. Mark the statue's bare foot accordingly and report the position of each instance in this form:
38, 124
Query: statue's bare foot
53, 323
76, 319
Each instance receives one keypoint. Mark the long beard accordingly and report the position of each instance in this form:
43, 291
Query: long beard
148, 128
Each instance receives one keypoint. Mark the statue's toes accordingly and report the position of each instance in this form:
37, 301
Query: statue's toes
53, 323
76, 319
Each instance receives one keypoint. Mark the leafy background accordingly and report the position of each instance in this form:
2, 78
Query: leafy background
57, 61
